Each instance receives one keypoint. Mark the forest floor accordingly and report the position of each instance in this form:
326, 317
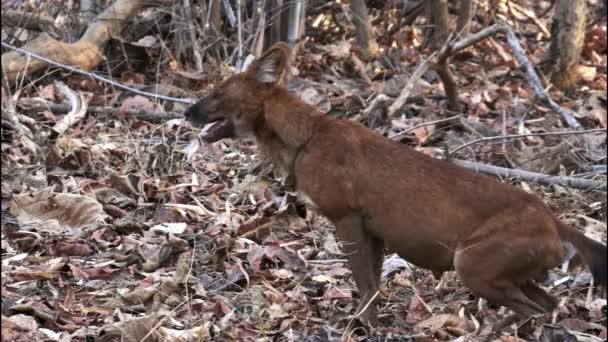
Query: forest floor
128, 225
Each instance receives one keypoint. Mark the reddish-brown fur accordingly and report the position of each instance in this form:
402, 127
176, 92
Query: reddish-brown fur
383, 195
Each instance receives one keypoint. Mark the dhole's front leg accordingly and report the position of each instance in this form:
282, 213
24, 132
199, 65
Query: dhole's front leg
365, 254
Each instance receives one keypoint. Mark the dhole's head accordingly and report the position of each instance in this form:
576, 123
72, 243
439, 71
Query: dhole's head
237, 104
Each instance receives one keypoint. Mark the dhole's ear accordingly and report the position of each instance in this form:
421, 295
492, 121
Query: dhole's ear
271, 67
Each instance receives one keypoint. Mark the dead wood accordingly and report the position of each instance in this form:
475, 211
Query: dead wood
567, 38
84, 54
449, 49
60, 108
437, 13
30, 21
438, 17
503, 137
466, 11
105, 80
78, 109
503, 172
366, 38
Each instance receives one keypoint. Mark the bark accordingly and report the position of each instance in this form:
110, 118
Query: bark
259, 23
449, 84
296, 24
30, 21
465, 15
365, 34
437, 14
273, 20
86, 15
503, 172
215, 16
567, 38
85, 54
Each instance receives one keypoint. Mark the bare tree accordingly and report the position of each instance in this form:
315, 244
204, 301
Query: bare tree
567, 38
439, 25
465, 15
365, 32
438, 17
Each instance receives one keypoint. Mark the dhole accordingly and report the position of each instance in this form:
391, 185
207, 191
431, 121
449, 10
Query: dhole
383, 195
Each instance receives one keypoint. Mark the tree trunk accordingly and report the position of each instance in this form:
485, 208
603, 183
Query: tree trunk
465, 15
567, 37
257, 46
365, 34
437, 14
272, 35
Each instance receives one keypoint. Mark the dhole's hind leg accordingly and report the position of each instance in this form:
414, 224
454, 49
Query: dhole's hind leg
365, 254
540, 296
501, 268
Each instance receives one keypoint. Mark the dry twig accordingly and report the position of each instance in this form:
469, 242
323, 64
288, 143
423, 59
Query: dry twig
514, 136
451, 48
139, 114
78, 109
97, 77
503, 172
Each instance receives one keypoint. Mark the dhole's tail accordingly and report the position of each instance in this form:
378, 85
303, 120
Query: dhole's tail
593, 253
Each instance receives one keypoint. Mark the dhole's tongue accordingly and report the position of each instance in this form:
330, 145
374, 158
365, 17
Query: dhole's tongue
217, 130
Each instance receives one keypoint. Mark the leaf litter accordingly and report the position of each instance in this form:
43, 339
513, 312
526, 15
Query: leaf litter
127, 230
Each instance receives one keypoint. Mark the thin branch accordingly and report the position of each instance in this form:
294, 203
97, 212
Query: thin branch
138, 113
97, 77
28, 20
531, 76
531, 16
229, 13
77, 111
514, 136
405, 93
534, 81
503, 172
196, 49
403, 133
239, 61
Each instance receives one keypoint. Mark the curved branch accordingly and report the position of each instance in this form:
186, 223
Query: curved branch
85, 54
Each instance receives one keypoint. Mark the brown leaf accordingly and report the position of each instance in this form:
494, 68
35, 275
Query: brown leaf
334, 292
133, 330
139, 296
80, 248
137, 102
56, 213
417, 311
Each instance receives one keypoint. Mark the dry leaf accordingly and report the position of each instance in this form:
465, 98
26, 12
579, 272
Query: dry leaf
56, 213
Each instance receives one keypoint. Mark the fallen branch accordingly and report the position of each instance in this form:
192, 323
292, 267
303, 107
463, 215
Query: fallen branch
530, 15
83, 55
27, 20
421, 69
154, 117
452, 48
428, 123
97, 77
513, 136
78, 109
503, 172
86, 53
13, 118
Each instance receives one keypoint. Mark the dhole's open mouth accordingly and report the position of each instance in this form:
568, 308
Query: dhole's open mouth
218, 130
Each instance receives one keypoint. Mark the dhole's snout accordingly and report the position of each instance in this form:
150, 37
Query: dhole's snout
201, 114
195, 115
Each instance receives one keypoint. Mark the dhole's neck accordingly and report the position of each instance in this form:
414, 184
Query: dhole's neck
291, 119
